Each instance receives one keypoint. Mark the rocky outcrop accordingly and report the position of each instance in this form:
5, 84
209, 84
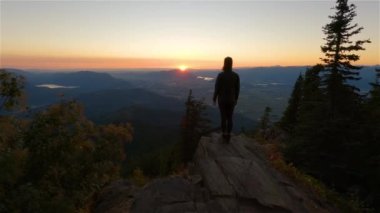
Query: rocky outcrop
225, 177
116, 197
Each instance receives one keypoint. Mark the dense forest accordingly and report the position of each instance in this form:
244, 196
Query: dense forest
332, 129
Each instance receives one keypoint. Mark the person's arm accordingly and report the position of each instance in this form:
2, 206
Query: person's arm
217, 88
237, 91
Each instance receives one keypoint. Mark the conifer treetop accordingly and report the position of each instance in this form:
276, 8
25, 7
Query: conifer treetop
339, 48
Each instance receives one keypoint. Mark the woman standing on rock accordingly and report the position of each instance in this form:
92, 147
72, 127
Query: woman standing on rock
227, 88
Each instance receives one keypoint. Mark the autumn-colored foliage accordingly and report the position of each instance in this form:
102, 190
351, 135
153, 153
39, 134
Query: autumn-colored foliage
57, 160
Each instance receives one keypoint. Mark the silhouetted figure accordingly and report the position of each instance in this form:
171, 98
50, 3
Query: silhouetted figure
227, 88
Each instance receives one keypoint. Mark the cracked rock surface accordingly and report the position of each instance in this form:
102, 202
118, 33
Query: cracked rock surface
226, 177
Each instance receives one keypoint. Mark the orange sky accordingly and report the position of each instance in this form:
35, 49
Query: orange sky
114, 63
27, 62
89, 35
40, 62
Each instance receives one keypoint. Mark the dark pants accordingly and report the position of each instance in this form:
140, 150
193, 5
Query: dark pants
226, 111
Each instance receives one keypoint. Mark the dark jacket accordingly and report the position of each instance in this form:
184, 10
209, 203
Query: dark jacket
227, 87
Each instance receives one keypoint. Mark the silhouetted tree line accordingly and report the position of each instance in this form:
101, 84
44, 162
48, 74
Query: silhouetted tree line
333, 130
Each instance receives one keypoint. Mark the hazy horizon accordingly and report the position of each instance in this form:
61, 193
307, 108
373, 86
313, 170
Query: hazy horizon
157, 69
198, 35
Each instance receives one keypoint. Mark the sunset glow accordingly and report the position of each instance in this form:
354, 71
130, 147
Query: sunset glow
183, 68
131, 34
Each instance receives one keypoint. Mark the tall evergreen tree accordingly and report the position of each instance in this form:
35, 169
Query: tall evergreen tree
303, 145
291, 113
338, 48
342, 130
339, 53
327, 134
193, 124
336, 136
312, 105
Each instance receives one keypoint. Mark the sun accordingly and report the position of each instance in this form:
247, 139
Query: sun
183, 68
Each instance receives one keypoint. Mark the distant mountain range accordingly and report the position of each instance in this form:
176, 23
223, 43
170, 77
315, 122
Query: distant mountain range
155, 117
84, 80
260, 87
154, 102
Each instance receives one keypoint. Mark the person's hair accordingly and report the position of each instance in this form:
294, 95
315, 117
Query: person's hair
227, 64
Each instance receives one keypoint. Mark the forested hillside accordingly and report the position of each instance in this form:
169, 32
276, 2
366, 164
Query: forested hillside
332, 129
56, 160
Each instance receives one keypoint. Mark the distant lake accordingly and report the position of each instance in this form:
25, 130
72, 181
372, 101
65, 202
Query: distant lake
56, 86
205, 78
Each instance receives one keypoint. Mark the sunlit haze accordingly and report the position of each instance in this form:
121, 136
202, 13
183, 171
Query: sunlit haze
172, 34
183, 68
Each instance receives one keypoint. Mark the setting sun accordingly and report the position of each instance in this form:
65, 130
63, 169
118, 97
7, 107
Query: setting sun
183, 68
